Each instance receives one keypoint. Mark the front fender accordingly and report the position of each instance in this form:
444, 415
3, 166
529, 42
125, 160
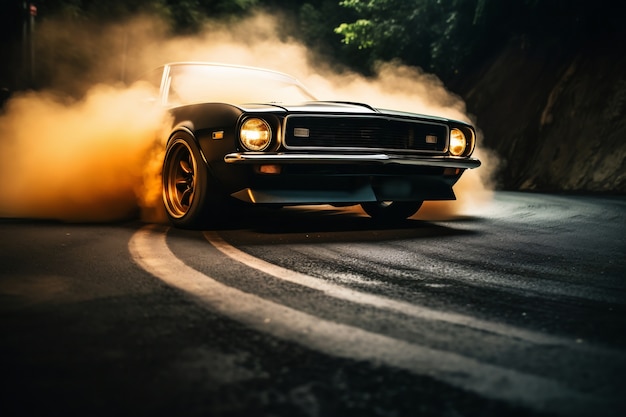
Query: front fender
213, 128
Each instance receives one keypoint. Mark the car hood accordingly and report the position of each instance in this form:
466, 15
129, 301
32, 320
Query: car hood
335, 107
311, 106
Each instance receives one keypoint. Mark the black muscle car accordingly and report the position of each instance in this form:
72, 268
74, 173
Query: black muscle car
258, 136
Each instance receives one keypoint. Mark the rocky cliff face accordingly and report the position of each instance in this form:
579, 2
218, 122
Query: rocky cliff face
556, 118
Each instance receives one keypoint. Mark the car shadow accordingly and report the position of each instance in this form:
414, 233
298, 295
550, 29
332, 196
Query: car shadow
331, 224
299, 224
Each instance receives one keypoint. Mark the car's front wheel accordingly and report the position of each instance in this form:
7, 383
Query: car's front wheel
185, 181
391, 211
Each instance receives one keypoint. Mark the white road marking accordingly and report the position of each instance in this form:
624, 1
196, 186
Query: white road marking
347, 294
149, 249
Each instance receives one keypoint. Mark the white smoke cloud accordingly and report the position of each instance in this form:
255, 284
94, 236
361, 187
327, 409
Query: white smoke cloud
97, 158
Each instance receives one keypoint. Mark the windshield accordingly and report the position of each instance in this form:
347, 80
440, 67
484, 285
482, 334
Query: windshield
193, 83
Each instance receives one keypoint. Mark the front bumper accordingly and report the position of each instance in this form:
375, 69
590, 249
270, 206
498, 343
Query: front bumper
318, 178
366, 158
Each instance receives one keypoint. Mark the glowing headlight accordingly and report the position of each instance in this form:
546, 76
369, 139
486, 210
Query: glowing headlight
457, 142
255, 134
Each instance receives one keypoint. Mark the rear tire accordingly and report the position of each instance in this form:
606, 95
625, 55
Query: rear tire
391, 211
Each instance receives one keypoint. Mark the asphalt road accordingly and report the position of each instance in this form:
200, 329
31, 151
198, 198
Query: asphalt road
518, 311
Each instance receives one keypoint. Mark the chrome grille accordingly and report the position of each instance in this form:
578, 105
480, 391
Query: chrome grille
364, 132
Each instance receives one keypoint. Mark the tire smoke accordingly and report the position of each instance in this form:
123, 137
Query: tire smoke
90, 151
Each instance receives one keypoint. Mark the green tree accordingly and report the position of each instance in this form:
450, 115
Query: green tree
433, 34
446, 36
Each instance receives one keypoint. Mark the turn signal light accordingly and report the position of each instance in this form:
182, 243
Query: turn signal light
269, 169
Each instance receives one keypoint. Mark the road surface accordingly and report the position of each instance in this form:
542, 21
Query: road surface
520, 310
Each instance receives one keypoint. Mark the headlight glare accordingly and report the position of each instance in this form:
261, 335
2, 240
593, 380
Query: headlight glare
255, 134
458, 142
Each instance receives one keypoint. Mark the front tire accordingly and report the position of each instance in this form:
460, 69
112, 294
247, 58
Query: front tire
185, 180
391, 211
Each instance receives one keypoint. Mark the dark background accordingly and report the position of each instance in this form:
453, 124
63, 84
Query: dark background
544, 80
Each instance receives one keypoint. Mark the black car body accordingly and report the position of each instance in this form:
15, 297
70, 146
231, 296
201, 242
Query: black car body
257, 136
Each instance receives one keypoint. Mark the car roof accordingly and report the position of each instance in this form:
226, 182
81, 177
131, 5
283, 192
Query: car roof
230, 66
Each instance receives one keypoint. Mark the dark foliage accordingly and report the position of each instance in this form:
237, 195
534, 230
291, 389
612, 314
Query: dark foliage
446, 37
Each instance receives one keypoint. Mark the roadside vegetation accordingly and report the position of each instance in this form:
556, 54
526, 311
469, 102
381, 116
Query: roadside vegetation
445, 37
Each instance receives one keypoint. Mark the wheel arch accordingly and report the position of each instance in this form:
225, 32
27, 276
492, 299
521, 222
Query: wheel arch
187, 127
201, 120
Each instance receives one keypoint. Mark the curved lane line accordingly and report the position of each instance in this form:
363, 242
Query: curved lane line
148, 248
347, 294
